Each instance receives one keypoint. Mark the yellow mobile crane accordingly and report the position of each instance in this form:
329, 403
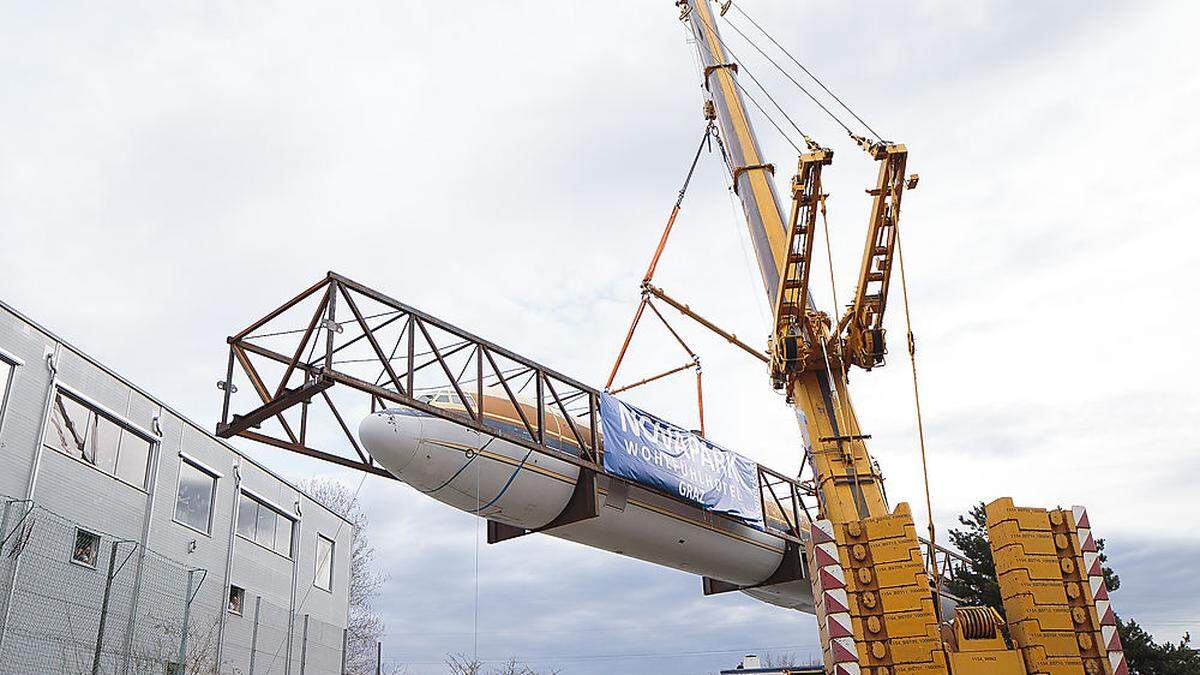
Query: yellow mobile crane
878, 600
878, 610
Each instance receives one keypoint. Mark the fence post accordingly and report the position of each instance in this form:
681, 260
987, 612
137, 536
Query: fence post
4, 582
108, 579
378, 658
187, 607
132, 623
254, 632
345, 644
304, 645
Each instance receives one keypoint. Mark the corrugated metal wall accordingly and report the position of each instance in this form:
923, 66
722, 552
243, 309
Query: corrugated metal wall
50, 606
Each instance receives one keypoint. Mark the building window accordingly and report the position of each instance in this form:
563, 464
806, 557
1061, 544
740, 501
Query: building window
323, 578
194, 497
237, 600
6, 371
265, 526
81, 432
87, 548
283, 536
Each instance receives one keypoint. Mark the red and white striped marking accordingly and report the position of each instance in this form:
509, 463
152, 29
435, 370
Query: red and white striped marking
1108, 620
831, 600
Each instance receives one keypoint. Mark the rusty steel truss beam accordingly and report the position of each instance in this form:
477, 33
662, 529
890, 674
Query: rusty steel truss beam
383, 352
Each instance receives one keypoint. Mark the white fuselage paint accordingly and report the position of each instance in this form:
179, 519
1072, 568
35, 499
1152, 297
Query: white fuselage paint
502, 481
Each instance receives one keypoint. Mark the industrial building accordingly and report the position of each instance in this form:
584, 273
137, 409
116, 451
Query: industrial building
134, 540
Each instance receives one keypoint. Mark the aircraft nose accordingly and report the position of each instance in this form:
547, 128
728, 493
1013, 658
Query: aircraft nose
391, 438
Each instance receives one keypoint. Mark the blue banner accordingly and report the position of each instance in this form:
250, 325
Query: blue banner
650, 451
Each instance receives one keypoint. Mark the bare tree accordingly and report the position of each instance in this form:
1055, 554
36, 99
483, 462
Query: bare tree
163, 648
461, 664
778, 659
514, 667
365, 626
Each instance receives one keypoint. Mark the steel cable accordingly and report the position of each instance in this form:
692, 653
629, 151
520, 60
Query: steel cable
733, 58
912, 359
821, 84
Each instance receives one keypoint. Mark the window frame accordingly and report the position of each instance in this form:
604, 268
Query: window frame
95, 564
100, 411
279, 513
212, 497
12, 362
291, 525
317, 561
229, 601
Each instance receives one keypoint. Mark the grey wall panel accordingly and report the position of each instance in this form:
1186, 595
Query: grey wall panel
263, 484
76, 372
88, 496
95, 500
141, 410
166, 533
310, 598
262, 572
25, 405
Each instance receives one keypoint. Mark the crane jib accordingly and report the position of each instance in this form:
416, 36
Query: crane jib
752, 175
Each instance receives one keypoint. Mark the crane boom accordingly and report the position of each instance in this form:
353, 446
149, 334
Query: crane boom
751, 173
849, 486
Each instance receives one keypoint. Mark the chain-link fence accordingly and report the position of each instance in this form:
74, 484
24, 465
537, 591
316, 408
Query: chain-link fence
77, 601
256, 641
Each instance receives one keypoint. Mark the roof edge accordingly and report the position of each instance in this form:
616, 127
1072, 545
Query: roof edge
184, 418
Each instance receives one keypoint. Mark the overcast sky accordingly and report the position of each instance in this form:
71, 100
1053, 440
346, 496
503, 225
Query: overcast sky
169, 171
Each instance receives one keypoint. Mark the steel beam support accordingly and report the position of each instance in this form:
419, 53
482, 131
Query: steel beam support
552, 389
281, 402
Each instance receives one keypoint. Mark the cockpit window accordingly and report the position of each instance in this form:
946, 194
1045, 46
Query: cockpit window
445, 397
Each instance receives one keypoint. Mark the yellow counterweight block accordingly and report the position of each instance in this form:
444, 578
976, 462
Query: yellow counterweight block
891, 600
1046, 589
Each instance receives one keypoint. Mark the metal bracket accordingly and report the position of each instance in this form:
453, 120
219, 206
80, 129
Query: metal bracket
708, 70
851, 437
618, 495
791, 568
227, 386
738, 171
581, 506
289, 398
